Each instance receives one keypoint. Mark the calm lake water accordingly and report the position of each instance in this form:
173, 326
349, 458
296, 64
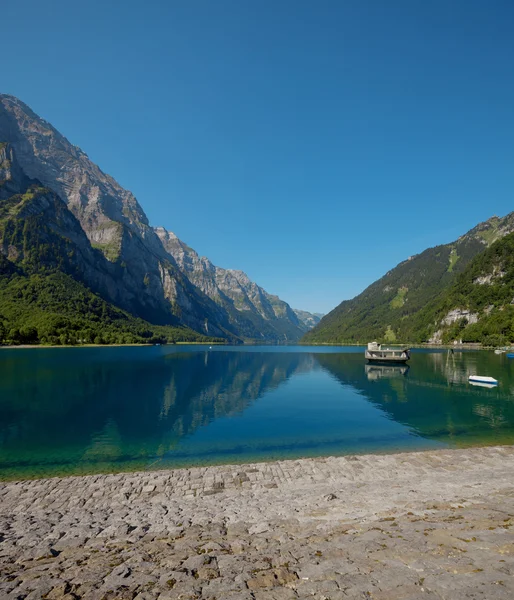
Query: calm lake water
92, 410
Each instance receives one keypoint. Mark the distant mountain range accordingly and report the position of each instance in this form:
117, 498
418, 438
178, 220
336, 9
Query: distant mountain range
62, 217
453, 292
310, 320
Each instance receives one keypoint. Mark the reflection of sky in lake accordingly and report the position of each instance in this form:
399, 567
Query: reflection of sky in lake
108, 409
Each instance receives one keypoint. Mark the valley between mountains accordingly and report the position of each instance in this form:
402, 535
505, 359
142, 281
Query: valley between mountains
80, 263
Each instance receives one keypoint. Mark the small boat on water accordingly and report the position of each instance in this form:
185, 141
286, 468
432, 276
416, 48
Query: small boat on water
481, 379
509, 355
376, 353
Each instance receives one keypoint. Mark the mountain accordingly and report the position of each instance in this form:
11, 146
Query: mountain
479, 306
250, 309
45, 262
389, 309
138, 274
308, 319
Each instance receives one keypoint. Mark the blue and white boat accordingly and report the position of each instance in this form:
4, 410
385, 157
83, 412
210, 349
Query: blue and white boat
481, 379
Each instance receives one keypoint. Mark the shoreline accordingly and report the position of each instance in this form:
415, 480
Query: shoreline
433, 524
108, 469
35, 346
315, 345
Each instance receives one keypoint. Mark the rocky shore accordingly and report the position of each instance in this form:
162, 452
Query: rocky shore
435, 524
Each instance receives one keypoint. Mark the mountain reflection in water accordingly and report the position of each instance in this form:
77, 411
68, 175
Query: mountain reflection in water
102, 409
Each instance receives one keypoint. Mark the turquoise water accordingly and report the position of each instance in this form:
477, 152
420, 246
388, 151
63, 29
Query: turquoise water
89, 410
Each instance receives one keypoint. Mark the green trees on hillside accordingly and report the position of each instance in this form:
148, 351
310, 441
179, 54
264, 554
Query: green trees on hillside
42, 297
429, 286
486, 289
55, 309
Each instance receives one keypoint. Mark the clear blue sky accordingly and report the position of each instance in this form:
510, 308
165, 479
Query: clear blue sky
312, 144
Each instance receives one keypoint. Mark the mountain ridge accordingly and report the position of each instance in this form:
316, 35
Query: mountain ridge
386, 310
148, 281
49, 273
232, 289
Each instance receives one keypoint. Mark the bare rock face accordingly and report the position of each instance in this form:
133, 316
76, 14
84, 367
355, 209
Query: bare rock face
95, 198
32, 216
458, 314
146, 280
148, 272
12, 178
248, 305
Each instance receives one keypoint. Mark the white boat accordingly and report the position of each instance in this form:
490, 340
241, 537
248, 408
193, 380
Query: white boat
481, 379
498, 351
376, 353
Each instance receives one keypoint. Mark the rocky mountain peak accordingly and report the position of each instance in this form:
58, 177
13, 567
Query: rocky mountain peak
230, 288
149, 272
491, 230
95, 198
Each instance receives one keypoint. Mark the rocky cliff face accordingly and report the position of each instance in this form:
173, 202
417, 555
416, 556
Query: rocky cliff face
145, 271
147, 281
249, 307
39, 231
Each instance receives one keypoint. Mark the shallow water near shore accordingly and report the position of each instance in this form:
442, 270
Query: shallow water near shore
95, 410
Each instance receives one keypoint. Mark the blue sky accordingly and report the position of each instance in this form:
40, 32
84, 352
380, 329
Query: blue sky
313, 145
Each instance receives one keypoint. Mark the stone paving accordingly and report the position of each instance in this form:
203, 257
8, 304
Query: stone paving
387, 527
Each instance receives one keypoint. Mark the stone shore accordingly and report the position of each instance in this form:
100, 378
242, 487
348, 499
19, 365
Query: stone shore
434, 525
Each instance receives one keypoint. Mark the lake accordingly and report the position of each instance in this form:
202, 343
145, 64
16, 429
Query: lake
67, 411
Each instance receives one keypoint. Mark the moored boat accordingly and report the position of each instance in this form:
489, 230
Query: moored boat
482, 379
376, 353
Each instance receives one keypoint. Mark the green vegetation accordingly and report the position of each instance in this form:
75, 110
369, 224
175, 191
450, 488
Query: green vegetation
438, 280
490, 234
383, 305
399, 300
55, 309
491, 302
111, 251
43, 299
389, 335
454, 257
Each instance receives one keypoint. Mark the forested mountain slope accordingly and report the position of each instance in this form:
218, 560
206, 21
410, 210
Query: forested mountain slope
387, 310
479, 306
